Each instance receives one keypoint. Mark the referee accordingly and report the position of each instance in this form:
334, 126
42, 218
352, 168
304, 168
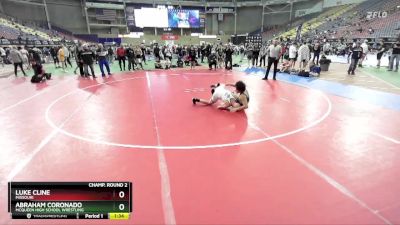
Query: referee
274, 54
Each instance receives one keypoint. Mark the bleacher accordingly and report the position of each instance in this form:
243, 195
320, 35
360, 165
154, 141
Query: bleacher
311, 25
345, 21
13, 30
8, 33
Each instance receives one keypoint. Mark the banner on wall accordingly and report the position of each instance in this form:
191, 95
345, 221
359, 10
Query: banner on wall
104, 5
219, 10
28, 42
130, 15
376, 14
169, 37
256, 40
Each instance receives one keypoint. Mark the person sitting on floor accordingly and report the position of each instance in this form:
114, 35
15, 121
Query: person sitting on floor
285, 66
39, 73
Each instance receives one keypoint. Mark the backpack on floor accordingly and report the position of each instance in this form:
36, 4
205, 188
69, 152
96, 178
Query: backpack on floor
36, 79
179, 63
316, 69
304, 73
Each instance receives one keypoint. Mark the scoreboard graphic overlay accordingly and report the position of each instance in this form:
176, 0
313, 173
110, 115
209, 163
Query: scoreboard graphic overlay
70, 200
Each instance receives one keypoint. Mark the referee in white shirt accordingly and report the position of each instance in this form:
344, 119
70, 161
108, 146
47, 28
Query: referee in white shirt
274, 54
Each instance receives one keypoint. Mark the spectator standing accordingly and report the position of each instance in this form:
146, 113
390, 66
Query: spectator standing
263, 54
61, 58
241, 52
79, 61
139, 57
316, 51
356, 55
143, 49
121, 53
102, 57
228, 57
110, 55
156, 52
67, 54
365, 49
17, 60
293, 55
381, 49
88, 58
395, 55
303, 56
192, 57
249, 53
3, 56
53, 53
130, 54
25, 57
256, 53
203, 52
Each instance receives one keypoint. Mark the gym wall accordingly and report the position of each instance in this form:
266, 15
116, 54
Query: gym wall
23, 11
65, 14
68, 15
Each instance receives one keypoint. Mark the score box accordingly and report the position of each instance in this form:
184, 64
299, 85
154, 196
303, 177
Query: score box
70, 200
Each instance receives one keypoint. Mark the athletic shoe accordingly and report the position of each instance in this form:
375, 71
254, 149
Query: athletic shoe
215, 85
265, 78
352, 73
194, 100
348, 72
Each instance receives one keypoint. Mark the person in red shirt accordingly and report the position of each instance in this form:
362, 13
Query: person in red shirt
121, 56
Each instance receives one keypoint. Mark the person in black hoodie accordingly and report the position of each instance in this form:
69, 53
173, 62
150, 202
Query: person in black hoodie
316, 50
53, 52
192, 56
156, 51
198, 51
356, 55
208, 50
87, 58
256, 53
130, 54
203, 52
381, 50
143, 48
79, 61
228, 57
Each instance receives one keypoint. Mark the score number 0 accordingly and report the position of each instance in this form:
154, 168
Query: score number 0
121, 194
